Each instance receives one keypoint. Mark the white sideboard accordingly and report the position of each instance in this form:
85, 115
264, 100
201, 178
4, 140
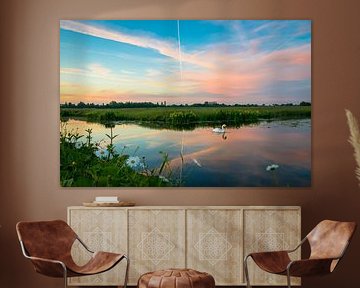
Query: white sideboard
211, 239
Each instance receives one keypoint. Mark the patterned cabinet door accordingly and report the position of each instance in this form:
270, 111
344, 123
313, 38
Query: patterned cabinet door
156, 240
214, 244
270, 230
101, 230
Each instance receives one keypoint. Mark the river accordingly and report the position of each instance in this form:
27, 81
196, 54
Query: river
266, 154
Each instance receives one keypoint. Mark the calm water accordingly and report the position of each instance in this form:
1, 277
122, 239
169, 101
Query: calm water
237, 158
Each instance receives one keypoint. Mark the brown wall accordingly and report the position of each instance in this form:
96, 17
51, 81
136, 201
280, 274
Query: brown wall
29, 119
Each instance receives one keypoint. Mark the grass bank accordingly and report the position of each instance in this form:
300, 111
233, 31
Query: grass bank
87, 164
187, 115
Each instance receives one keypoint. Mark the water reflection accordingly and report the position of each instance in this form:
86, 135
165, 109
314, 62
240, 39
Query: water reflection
236, 158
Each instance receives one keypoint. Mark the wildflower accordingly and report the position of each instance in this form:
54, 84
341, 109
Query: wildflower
100, 150
134, 161
272, 167
163, 178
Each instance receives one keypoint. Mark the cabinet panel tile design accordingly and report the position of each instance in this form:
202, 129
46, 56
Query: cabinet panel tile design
210, 239
270, 230
104, 230
214, 244
156, 241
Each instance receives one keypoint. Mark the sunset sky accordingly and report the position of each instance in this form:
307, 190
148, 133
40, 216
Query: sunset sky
227, 61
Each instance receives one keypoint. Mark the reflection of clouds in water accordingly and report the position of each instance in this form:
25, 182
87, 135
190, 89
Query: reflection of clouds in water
199, 155
297, 123
133, 133
154, 144
239, 161
247, 153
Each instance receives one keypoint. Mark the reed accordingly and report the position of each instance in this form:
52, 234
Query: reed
354, 140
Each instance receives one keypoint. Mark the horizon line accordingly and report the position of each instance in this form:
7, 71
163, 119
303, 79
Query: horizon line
160, 103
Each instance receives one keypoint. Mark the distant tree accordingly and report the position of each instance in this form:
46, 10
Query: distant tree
81, 105
129, 104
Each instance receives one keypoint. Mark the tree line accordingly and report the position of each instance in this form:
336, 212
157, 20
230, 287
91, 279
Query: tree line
114, 104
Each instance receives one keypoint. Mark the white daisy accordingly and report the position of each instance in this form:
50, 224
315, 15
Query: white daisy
134, 161
272, 167
163, 178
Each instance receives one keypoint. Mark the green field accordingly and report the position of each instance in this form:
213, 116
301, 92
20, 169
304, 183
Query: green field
231, 115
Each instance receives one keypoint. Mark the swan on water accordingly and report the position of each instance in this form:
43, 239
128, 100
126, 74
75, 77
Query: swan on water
220, 130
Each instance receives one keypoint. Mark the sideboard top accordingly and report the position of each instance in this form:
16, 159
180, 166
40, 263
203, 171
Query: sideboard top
192, 207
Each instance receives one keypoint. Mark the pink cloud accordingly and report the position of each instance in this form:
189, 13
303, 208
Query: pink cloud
224, 83
93, 97
238, 73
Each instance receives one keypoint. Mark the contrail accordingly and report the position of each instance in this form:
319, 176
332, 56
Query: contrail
179, 43
182, 134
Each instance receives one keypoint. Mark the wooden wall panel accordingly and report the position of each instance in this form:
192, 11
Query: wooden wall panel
270, 230
214, 244
100, 230
156, 240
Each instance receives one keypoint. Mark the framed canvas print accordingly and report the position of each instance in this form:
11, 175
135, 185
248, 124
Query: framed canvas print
185, 103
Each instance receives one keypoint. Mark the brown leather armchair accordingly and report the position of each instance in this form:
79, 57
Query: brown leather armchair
328, 242
48, 245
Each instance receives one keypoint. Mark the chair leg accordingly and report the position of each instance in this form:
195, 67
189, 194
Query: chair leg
65, 277
246, 272
127, 271
288, 278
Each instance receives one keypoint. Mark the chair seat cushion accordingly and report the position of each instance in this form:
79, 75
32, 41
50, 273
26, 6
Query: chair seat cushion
176, 278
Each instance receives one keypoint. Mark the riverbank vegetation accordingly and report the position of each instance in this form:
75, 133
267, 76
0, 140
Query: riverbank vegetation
85, 163
231, 115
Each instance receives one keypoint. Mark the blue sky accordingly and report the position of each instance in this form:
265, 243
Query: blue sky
228, 61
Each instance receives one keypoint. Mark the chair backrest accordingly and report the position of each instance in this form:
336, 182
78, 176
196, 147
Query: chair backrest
329, 239
46, 239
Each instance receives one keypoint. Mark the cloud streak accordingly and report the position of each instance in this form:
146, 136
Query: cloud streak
165, 48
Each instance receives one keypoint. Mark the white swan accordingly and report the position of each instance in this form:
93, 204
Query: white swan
220, 130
